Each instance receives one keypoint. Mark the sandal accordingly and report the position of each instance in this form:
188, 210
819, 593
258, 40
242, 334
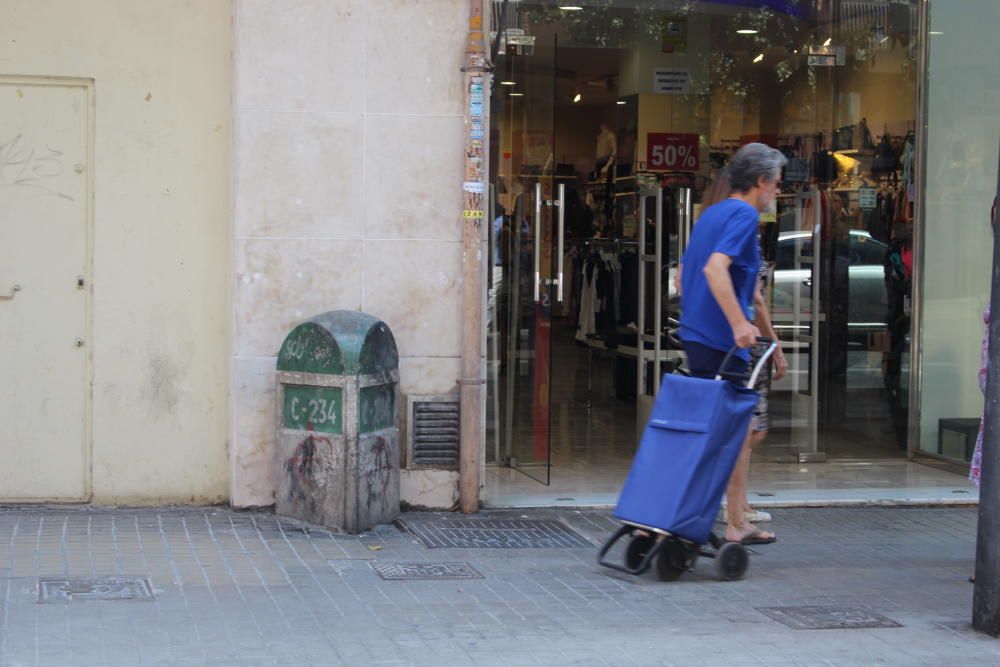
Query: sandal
757, 536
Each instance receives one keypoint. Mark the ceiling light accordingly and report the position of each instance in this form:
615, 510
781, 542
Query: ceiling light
508, 83
622, 103
570, 8
517, 95
577, 98
935, 32
760, 56
829, 40
746, 31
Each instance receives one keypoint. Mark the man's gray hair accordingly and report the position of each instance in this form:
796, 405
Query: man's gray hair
752, 162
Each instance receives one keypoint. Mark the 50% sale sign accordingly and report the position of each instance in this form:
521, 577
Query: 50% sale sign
670, 151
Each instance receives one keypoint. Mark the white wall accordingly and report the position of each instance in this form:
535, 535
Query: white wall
963, 116
348, 170
162, 72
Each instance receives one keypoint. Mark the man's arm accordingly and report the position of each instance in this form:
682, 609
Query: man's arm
721, 283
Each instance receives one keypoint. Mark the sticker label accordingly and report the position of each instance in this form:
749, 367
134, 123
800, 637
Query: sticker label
867, 198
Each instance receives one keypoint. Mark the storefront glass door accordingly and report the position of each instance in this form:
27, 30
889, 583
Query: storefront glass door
526, 251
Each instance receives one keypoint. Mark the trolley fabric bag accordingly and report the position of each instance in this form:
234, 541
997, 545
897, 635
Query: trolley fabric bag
686, 455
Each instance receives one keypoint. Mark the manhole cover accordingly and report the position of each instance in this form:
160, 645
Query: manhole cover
492, 533
405, 571
109, 588
828, 617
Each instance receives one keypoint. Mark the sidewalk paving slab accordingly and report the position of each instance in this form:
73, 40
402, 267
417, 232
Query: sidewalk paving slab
250, 588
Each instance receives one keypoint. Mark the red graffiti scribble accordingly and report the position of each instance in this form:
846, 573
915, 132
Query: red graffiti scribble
300, 466
379, 474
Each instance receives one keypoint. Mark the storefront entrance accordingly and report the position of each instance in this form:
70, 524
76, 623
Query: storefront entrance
608, 121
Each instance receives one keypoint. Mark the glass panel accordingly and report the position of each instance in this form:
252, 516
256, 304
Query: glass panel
868, 217
963, 116
661, 94
524, 174
793, 401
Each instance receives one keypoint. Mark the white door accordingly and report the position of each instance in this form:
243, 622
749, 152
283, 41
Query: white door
44, 282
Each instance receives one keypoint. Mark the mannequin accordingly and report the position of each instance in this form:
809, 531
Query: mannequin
605, 151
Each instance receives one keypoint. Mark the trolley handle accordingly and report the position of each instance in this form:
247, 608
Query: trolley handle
750, 378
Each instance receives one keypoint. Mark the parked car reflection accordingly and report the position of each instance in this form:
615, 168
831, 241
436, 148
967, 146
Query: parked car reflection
867, 297
867, 305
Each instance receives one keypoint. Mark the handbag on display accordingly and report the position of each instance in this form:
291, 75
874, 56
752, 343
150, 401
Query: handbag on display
824, 169
886, 158
797, 170
843, 138
867, 142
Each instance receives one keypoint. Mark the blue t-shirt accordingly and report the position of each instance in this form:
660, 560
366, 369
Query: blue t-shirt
729, 227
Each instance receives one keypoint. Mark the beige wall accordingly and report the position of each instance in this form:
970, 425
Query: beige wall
160, 344
348, 172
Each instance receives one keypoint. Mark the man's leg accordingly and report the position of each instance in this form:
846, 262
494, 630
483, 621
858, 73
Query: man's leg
737, 526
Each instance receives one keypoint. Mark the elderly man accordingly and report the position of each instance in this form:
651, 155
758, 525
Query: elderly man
718, 290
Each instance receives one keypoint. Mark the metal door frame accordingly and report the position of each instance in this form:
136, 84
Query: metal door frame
684, 216
812, 451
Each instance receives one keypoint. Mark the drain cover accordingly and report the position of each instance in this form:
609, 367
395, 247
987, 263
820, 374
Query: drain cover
492, 534
828, 618
109, 588
407, 571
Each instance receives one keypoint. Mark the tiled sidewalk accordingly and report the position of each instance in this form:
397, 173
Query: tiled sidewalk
240, 588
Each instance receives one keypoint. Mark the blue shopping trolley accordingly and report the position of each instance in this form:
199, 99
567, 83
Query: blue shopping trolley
685, 458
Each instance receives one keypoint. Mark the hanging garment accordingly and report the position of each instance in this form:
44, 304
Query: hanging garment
588, 301
909, 155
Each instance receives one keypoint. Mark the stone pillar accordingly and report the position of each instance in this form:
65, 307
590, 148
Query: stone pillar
347, 144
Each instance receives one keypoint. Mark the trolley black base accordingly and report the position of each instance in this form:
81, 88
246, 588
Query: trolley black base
672, 555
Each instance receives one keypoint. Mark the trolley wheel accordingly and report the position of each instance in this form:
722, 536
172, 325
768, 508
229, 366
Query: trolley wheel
637, 549
673, 561
731, 561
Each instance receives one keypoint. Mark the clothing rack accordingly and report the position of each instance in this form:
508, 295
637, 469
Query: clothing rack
612, 242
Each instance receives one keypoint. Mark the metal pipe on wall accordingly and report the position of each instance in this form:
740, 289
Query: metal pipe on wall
475, 81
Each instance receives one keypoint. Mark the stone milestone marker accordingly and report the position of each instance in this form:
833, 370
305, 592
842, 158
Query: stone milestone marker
338, 438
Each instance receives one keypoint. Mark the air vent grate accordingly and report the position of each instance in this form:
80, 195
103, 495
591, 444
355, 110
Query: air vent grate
434, 426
